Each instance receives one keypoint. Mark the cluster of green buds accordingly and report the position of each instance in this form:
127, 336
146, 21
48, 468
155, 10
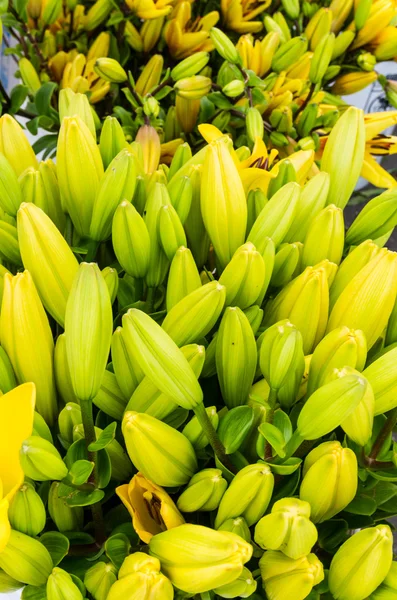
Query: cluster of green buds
197, 365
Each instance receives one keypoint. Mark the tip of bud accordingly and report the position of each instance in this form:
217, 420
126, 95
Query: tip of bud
220, 287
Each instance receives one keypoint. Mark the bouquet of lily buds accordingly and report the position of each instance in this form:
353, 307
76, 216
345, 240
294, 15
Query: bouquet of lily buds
198, 366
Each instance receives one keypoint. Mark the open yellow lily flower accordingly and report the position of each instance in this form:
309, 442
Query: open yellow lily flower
16, 417
373, 172
151, 508
377, 122
149, 9
238, 14
186, 36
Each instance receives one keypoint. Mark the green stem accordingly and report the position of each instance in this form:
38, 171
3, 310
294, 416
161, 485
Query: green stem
69, 230
272, 399
384, 433
213, 439
293, 444
91, 251
150, 297
307, 100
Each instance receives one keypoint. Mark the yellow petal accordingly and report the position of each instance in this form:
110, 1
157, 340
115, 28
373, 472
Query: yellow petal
375, 174
16, 418
209, 132
377, 122
5, 528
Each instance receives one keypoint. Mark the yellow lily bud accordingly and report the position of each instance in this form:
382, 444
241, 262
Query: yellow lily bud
318, 26
380, 16
48, 257
193, 88
151, 508
288, 528
150, 76
329, 480
198, 559
361, 563
244, 277
27, 512
186, 112
29, 75
99, 579
50, 11
88, 327
98, 12
342, 43
183, 277
10, 188
147, 137
60, 586
377, 218
27, 339
311, 201
131, 240
221, 187
203, 492
388, 589
112, 140
140, 579
112, 282
65, 517
382, 376
71, 104
287, 579
343, 156
26, 559
15, 146
354, 82
351, 309
289, 53
386, 44
321, 58
247, 496
325, 237
145, 438
242, 587
190, 66
340, 12
78, 193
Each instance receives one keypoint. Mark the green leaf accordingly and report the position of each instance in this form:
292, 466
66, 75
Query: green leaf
20, 7
81, 498
274, 436
18, 96
163, 92
104, 439
3, 6
219, 100
234, 427
80, 472
46, 142
362, 505
104, 468
57, 545
43, 98
31, 592
332, 533
79, 537
288, 467
390, 475
77, 581
117, 547
282, 421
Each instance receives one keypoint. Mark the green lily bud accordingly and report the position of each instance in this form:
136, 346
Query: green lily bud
254, 315
171, 232
27, 511
242, 587
311, 201
41, 461
180, 190
51, 11
325, 237
111, 141
193, 88
117, 185
183, 277
41, 428
9, 243
160, 359
287, 579
52, 196
289, 53
321, 58
110, 70
182, 155
339, 348
286, 264
26, 559
362, 10
131, 241
71, 104
10, 189
140, 577
99, 579
244, 277
194, 432
376, 218
236, 357
281, 354
234, 88
195, 314
382, 376
291, 7
128, 373
88, 326
331, 404
254, 124
329, 480
190, 66
145, 438
237, 526
65, 517
224, 46
367, 61
112, 282
275, 219
388, 589
248, 495
256, 201
199, 559
60, 586
203, 492
110, 398
342, 42
62, 372
151, 107
158, 262
361, 563
307, 120
288, 528
281, 120
7, 376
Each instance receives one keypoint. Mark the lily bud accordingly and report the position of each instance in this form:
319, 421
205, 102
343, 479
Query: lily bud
222, 188
254, 124
311, 201
289, 53
60, 586
10, 189
41, 461
242, 587
151, 508
171, 232
238, 526
112, 140
112, 282
130, 238
244, 277
27, 339
158, 261
145, 438
361, 563
224, 46
321, 58
375, 285
183, 277
99, 579
198, 559
65, 517
27, 511
329, 480
73, 104
203, 492
344, 155
377, 218
110, 70
88, 326
342, 347
193, 88
382, 376
288, 528
248, 495
190, 66
128, 374
287, 579
48, 257
7, 376
14, 145
325, 237
26, 559
140, 578
236, 357
388, 589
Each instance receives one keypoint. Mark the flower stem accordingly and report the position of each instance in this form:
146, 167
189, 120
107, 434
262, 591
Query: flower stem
213, 439
384, 433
